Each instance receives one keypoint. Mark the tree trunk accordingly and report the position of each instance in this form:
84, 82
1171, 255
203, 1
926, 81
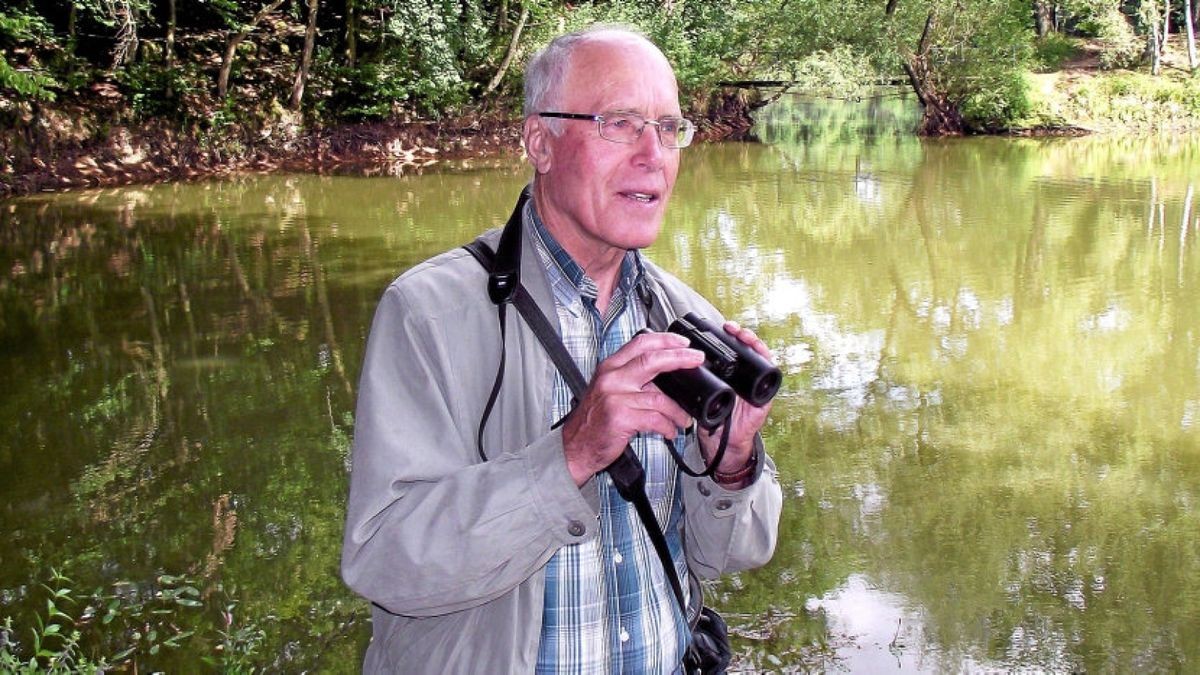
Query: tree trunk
1156, 39
169, 49
237, 39
310, 37
124, 14
939, 116
511, 53
1043, 13
1160, 39
71, 35
351, 33
1189, 27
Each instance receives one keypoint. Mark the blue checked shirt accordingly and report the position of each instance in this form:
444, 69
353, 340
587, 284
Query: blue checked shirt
608, 605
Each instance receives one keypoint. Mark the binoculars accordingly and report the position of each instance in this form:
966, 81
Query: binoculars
730, 367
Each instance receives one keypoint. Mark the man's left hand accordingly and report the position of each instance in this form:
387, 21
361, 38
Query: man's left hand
746, 419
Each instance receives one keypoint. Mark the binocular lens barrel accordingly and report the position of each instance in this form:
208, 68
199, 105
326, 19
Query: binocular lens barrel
745, 370
730, 369
703, 395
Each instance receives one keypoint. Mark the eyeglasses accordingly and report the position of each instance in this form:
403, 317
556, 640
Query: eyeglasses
673, 132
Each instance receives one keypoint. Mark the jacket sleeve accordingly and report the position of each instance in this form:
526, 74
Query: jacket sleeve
725, 530
432, 529
731, 530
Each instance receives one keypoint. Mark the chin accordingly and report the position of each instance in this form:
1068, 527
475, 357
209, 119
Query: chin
642, 237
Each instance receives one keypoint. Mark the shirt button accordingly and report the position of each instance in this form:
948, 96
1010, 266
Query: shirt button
724, 504
618, 558
624, 635
576, 528
704, 490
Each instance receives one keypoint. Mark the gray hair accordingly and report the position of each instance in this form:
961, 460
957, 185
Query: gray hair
547, 69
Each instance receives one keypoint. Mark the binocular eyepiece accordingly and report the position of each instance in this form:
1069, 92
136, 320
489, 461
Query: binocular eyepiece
730, 367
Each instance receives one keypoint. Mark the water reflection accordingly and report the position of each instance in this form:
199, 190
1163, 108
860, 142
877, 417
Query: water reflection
987, 431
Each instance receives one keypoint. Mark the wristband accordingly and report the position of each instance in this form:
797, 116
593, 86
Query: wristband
739, 476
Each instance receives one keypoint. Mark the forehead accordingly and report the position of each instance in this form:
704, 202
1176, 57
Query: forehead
620, 73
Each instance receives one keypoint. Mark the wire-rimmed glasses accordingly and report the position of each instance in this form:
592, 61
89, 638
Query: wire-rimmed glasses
627, 127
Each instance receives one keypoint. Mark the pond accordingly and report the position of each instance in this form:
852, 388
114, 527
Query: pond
989, 433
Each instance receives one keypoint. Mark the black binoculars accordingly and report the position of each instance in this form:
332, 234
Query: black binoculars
707, 392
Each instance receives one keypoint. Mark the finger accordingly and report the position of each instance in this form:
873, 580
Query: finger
642, 343
652, 398
750, 339
655, 422
645, 365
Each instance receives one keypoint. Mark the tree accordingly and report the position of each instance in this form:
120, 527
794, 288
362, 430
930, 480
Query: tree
1043, 13
1189, 28
940, 116
965, 60
235, 40
511, 52
310, 37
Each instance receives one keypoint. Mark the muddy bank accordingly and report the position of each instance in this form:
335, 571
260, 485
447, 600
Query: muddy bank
88, 145
51, 152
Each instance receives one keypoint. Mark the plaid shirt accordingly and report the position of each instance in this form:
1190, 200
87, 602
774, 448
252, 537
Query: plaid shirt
608, 604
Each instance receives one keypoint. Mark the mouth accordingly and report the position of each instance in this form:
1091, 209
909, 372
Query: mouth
641, 197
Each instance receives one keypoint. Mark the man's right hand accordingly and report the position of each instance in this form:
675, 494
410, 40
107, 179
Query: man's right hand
622, 401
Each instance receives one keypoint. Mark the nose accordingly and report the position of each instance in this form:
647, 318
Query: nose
650, 151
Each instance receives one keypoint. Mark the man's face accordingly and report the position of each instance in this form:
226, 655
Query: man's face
599, 197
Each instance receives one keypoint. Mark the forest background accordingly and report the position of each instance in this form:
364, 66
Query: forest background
116, 91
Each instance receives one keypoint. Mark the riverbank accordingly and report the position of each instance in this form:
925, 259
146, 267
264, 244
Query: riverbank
65, 149
93, 143
1081, 96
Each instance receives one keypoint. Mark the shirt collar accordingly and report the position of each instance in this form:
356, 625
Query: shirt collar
631, 274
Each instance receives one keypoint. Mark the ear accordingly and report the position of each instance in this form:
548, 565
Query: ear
538, 143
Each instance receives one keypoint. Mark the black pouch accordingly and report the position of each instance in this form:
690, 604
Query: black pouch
710, 652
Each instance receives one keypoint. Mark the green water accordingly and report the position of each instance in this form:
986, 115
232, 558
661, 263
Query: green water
989, 434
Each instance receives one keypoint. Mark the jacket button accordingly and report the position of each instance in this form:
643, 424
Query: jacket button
724, 504
704, 490
576, 528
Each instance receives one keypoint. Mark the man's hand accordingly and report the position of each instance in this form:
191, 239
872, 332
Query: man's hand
622, 402
746, 419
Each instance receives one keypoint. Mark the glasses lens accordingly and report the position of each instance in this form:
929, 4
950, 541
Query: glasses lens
621, 127
675, 132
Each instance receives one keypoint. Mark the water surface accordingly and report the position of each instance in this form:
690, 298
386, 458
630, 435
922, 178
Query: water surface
987, 436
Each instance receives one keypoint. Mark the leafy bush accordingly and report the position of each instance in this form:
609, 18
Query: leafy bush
1053, 50
840, 71
1122, 46
999, 103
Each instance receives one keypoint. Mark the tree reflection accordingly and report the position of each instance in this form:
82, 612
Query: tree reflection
991, 396
1019, 435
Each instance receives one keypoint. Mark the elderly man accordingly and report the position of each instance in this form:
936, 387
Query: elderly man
491, 539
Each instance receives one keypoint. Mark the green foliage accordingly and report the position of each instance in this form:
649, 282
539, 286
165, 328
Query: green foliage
1106, 20
1131, 100
840, 72
34, 85
1053, 50
54, 643
999, 103
30, 31
130, 624
437, 43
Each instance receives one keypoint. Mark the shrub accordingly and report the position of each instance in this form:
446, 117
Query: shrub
1053, 50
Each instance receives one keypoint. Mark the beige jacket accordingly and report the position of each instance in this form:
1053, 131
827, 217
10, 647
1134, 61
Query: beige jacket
450, 549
